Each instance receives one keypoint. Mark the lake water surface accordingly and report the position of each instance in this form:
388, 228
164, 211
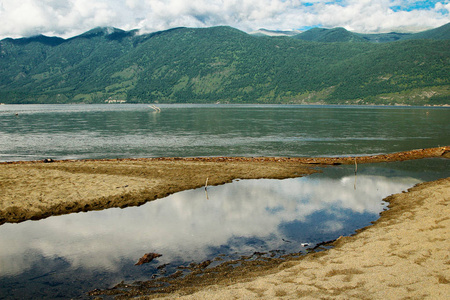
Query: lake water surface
67, 256
123, 131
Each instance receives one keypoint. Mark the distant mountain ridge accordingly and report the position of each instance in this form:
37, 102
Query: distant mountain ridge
50, 41
440, 33
342, 35
266, 32
207, 65
330, 35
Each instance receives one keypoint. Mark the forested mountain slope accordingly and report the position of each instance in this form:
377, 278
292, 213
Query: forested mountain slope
206, 65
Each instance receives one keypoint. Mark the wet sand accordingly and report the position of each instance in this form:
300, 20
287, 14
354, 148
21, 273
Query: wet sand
405, 254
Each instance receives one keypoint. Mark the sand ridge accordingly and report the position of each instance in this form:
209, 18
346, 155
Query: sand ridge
34, 190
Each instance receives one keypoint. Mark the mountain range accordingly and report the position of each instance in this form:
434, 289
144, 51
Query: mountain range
223, 64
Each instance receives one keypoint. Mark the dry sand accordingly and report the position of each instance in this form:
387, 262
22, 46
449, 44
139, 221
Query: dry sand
404, 255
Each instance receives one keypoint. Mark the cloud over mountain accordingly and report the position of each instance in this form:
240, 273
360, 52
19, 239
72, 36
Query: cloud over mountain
70, 17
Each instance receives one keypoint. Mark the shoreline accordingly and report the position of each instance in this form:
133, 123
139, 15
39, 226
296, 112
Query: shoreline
259, 104
32, 190
403, 254
443, 151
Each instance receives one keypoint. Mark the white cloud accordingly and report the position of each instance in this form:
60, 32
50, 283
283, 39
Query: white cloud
69, 17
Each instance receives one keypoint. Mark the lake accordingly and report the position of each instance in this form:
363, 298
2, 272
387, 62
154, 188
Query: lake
67, 256
123, 131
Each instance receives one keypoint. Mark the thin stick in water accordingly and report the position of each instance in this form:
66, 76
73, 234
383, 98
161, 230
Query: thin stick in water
206, 188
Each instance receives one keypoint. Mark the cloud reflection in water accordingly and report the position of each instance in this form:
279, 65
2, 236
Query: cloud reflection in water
188, 226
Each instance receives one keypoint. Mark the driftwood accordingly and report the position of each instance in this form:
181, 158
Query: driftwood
148, 257
157, 109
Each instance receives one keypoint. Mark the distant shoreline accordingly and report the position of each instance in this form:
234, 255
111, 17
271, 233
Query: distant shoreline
243, 104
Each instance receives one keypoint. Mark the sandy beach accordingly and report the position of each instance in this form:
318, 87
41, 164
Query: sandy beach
405, 254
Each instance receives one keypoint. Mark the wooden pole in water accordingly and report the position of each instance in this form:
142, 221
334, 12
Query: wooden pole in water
206, 188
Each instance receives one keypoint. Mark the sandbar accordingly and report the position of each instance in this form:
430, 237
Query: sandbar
405, 254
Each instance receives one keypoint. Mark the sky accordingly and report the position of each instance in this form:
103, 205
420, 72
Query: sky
66, 18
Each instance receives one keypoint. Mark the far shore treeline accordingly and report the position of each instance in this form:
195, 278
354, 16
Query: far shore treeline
223, 64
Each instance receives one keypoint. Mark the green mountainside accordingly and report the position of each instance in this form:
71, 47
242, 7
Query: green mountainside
441, 33
207, 65
342, 35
